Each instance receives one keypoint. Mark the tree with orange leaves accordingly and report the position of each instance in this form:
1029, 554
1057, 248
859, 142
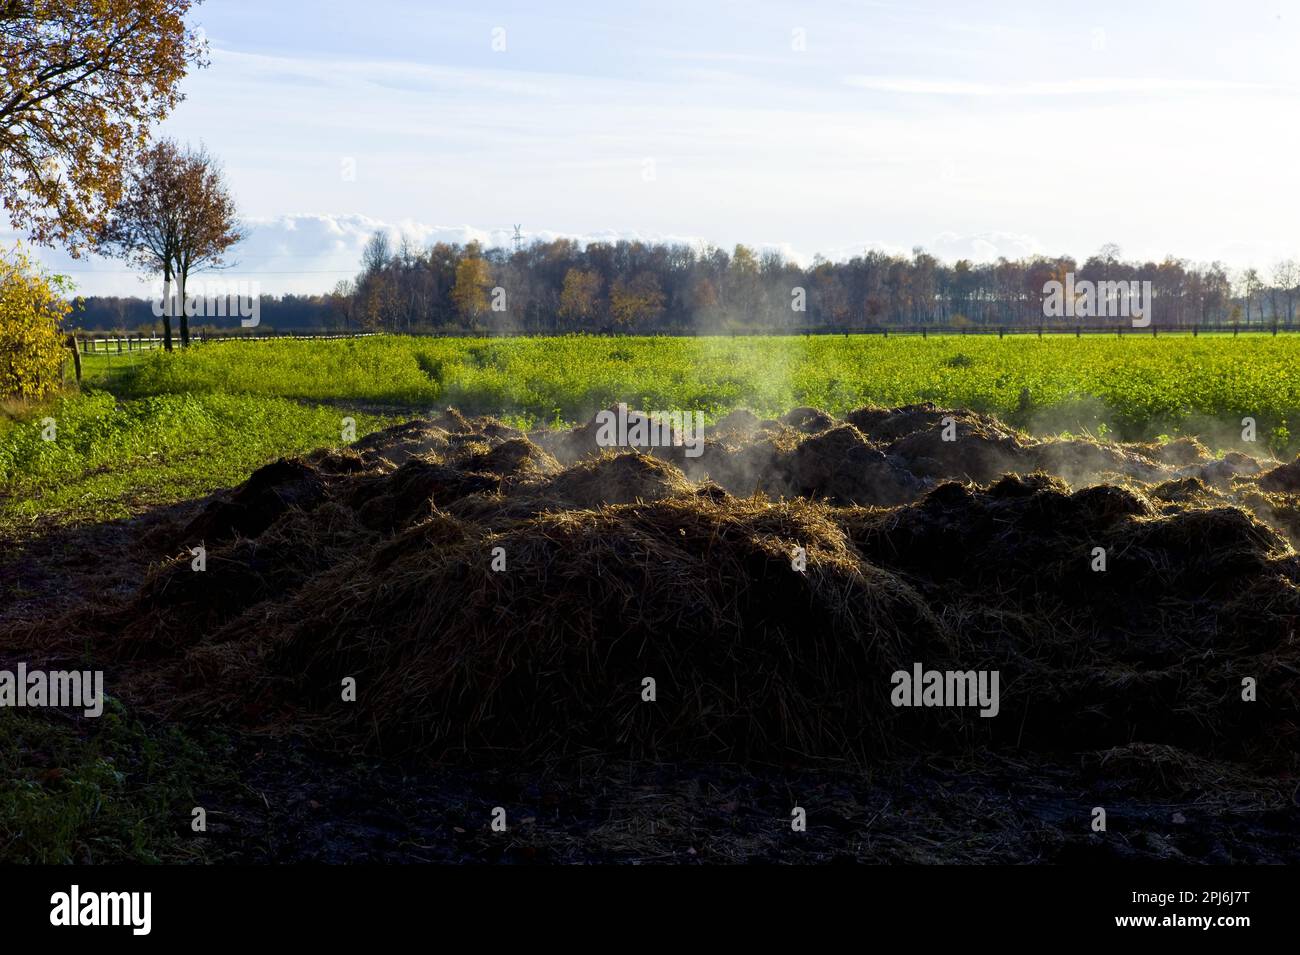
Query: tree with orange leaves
579, 296
82, 82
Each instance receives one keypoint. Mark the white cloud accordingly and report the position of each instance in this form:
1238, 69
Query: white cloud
985, 247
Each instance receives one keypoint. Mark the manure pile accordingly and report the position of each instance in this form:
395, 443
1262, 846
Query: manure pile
500, 595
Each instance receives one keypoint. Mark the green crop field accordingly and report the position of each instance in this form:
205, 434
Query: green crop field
151, 427
1133, 384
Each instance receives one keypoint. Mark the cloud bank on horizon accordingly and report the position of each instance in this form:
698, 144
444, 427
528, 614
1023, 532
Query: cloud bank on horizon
820, 127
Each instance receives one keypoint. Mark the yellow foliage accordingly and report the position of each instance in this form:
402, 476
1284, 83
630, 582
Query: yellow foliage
636, 301
31, 344
470, 291
581, 290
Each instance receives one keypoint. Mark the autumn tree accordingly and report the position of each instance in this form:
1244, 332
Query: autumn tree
82, 82
378, 304
742, 284
701, 302
145, 225
375, 287
469, 294
176, 217
580, 295
209, 225
635, 302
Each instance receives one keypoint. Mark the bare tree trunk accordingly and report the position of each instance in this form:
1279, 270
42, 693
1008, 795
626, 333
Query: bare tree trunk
167, 308
184, 312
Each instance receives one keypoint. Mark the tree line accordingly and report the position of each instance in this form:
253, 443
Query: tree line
562, 286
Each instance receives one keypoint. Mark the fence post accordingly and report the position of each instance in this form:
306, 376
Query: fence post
1078, 331
71, 344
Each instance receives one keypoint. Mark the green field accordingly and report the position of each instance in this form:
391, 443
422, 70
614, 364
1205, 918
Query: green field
1133, 382
152, 428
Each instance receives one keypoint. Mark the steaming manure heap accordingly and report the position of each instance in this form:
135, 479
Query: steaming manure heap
501, 596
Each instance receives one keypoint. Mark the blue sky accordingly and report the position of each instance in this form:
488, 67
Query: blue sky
816, 127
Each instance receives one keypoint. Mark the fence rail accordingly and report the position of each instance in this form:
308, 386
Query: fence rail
125, 344
92, 344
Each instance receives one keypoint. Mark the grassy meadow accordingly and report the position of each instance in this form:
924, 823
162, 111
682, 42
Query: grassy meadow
151, 428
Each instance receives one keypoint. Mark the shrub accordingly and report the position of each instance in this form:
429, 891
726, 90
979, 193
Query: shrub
31, 344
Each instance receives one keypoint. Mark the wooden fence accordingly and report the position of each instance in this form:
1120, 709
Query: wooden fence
100, 344
92, 344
